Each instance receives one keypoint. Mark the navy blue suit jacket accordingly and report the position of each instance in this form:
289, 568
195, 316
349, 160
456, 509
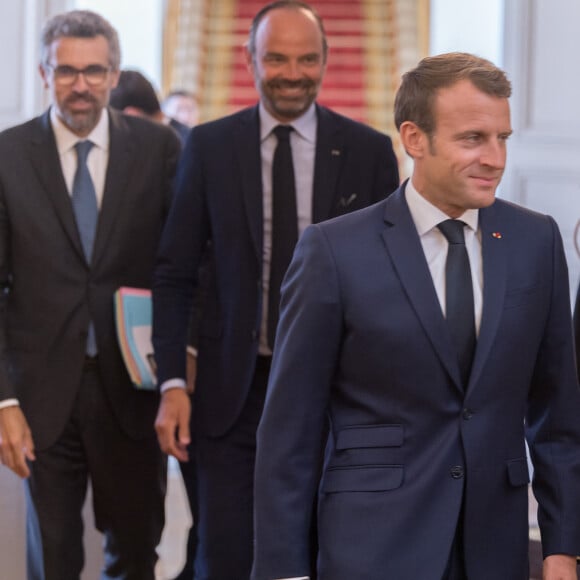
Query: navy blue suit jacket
362, 338
219, 199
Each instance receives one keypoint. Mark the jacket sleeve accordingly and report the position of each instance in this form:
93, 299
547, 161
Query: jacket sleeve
293, 426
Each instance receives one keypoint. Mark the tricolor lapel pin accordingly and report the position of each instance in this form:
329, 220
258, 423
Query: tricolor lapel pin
496, 235
335, 152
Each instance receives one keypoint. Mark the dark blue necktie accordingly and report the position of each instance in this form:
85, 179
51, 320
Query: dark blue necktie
284, 222
459, 296
84, 200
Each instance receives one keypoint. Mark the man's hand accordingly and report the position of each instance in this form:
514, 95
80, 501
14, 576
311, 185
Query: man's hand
172, 423
16, 445
560, 567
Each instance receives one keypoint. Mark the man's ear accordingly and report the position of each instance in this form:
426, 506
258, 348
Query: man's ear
414, 140
43, 74
249, 59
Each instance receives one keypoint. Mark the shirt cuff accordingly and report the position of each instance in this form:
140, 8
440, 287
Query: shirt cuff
172, 384
9, 403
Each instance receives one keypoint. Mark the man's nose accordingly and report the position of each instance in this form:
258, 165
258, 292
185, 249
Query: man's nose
293, 70
494, 154
80, 85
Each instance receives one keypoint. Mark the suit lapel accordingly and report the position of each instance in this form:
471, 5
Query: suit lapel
246, 138
494, 285
119, 168
45, 160
404, 247
330, 152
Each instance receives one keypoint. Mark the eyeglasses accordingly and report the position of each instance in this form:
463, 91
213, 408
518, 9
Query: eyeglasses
94, 74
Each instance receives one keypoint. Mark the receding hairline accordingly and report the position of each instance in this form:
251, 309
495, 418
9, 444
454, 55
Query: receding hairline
294, 6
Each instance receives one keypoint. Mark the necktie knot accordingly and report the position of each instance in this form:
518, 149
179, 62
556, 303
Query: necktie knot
282, 132
83, 148
453, 231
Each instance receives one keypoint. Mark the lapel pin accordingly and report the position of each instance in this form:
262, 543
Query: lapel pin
496, 235
335, 152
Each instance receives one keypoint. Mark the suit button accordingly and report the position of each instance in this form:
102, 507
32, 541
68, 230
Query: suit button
457, 472
467, 414
254, 335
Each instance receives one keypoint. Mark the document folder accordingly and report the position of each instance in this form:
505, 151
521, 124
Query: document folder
133, 318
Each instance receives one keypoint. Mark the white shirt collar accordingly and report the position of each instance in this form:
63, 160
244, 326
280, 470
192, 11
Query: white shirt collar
66, 139
304, 125
426, 216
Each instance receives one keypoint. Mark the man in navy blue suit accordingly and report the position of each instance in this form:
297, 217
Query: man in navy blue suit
225, 196
425, 471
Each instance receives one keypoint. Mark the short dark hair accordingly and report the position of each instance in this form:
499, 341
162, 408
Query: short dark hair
419, 86
294, 5
80, 24
134, 90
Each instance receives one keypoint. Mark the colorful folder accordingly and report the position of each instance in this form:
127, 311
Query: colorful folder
133, 317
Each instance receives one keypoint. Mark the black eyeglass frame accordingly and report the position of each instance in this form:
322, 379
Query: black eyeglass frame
66, 75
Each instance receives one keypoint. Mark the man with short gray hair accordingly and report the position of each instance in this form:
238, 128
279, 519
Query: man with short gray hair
84, 192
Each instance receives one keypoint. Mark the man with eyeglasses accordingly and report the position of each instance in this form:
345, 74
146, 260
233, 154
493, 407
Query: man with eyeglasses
84, 192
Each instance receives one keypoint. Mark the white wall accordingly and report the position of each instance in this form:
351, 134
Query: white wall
140, 28
468, 26
541, 58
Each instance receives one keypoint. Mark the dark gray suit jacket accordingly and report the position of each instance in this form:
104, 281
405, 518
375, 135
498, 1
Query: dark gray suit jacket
219, 198
49, 292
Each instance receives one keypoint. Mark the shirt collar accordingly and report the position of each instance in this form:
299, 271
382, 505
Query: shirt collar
426, 216
304, 125
66, 139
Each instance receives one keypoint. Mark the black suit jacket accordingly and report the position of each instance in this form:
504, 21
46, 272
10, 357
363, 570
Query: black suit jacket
50, 292
219, 198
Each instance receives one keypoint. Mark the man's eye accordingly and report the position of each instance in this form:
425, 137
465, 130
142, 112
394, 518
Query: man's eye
95, 69
65, 70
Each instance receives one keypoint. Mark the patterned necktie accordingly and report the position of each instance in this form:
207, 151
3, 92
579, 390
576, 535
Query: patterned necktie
459, 295
84, 200
284, 222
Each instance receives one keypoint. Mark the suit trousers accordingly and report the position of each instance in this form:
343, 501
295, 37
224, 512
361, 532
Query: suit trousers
225, 471
128, 480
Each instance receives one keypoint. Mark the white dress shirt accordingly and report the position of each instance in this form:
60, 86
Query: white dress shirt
98, 158
303, 143
426, 217
97, 162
